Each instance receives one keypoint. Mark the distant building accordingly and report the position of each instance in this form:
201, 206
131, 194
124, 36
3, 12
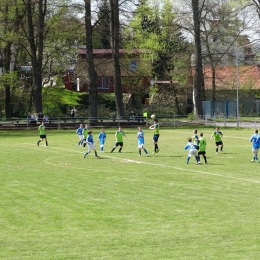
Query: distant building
76, 77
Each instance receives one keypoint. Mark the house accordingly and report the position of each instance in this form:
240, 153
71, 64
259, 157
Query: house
133, 71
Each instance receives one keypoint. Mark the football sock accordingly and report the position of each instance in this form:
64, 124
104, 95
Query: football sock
46, 143
188, 159
112, 150
139, 152
196, 157
95, 153
84, 144
120, 149
86, 154
145, 151
216, 150
205, 159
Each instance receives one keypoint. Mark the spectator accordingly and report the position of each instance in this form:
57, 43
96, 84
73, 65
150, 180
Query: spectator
46, 119
73, 112
33, 119
40, 117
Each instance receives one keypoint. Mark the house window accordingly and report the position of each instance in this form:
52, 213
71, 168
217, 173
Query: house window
133, 65
103, 83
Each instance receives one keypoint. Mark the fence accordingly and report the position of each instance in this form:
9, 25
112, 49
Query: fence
99, 122
229, 108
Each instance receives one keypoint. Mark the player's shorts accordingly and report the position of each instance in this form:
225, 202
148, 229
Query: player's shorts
219, 143
140, 146
91, 147
42, 136
193, 152
155, 138
201, 152
119, 144
81, 137
255, 150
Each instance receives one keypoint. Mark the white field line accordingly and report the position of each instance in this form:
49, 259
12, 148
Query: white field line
209, 134
158, 165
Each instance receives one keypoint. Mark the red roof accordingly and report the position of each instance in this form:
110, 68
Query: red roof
248, 77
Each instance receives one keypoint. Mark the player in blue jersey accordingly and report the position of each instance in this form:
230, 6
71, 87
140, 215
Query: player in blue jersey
79, 131
102, 138
192, 147
90, 143
255, 139
140, 138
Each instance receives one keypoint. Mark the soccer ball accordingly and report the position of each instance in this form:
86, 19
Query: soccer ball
153, 116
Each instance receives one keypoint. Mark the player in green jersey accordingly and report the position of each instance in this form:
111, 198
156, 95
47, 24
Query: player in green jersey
41, 128
119, 139
202, 148
217, 138
85, 135
156, 135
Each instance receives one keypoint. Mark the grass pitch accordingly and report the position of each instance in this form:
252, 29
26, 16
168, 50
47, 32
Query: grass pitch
57, 205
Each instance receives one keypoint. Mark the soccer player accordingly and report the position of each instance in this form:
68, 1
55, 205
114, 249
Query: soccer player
202, 148
156, 135
85, 134
217, 138
119, 139
195, 137
102, 138
140, 138
91, 146
79, 131
192, 147
255, 139
41, 128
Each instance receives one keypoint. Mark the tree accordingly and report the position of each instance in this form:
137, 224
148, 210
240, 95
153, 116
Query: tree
115, 43
101, 30
155, 29
92, 75
198, 77
10, 16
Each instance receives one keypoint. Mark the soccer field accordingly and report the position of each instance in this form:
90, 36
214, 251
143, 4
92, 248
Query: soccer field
57, 205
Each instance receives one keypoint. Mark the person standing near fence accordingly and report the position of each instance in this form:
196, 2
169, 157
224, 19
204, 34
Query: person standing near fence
217, 138
41, 128
255, 139
73, 112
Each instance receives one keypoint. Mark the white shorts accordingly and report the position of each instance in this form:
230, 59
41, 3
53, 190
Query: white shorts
255, 150
81, 137
193, 152
140, 145
91, 147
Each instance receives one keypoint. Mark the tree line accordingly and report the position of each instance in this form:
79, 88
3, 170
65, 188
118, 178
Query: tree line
37, 43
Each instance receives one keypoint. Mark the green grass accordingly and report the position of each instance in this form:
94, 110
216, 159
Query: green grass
56, 205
